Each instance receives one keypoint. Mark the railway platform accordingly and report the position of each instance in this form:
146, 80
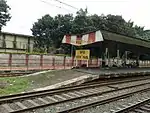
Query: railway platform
115, 72
90, 74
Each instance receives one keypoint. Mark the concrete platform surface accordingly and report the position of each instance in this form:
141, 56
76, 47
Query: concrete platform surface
85, 75
114, 72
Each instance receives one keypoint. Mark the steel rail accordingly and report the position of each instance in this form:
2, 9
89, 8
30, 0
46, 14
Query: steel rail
10, 98
125, 110
76, 98
93, 104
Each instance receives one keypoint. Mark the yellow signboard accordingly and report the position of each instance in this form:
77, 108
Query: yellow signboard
82, 55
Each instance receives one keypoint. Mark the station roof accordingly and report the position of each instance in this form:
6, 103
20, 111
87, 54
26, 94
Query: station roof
125, 39
101, 35
16, 34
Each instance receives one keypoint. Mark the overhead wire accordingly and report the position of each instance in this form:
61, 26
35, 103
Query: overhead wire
48, 3
67, 4
70, 5
62, 3
97, 0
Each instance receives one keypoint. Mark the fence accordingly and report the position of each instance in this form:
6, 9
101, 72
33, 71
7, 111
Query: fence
39, 62
10, 62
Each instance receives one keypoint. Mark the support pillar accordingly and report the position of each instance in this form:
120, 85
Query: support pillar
126, 56
64, 62
27, 61
10, 60
103, 60
53, 63
106, 56
118, 56
41, 61
137, 60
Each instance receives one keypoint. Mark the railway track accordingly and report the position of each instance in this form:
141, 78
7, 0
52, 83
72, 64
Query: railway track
52, 99
140, 106
10, 98
10, 74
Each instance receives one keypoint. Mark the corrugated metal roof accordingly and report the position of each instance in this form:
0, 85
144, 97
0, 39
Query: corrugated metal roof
125, 39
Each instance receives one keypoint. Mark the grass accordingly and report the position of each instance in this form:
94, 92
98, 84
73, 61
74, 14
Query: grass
11, 85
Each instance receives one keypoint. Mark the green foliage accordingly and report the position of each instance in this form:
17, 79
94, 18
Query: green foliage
146, 35
50, 30
38, 50
4, 13
82, 23
13, 85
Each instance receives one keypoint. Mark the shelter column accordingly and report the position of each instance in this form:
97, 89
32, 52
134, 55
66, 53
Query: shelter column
118, 56
137, 60
106, 56
126, 56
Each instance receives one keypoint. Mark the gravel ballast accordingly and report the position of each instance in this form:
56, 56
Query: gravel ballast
76, 103
113, 106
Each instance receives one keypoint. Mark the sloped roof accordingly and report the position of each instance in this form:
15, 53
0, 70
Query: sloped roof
125, 39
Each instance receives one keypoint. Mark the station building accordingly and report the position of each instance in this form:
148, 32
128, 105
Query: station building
109, 45
11, 42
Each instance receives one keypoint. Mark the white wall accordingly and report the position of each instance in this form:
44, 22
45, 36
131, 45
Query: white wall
21, 42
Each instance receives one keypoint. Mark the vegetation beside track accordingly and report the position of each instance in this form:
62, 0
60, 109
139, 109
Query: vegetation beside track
11, 85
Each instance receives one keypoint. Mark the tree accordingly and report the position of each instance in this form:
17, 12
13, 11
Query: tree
115, 23
41, 30
49, 31
4, 13
82, 22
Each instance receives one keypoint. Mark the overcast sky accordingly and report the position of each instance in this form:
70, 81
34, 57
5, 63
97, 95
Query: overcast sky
25, 12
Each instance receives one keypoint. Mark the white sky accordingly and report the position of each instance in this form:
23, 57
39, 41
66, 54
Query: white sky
25, 12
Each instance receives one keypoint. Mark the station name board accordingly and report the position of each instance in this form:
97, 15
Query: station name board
82, 55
